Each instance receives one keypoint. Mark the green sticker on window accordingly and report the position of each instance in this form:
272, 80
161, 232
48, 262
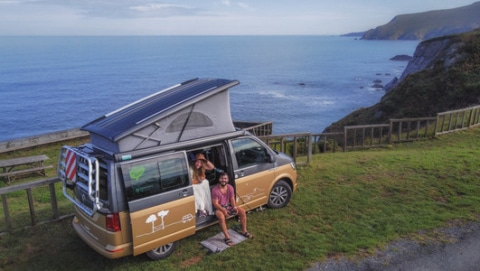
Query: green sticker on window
137, 172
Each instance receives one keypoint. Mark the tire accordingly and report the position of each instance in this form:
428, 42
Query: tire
280, 195
162, 251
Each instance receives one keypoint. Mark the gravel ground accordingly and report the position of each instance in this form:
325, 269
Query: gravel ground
455, 248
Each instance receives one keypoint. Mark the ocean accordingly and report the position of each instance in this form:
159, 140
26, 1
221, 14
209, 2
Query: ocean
300, 83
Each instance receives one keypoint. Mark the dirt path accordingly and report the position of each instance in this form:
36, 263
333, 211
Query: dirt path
459, 250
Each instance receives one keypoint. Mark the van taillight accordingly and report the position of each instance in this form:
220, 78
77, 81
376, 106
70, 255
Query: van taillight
113, 222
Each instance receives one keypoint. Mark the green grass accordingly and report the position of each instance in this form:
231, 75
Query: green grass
346, 204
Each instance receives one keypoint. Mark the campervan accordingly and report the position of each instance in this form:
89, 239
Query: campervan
131, 185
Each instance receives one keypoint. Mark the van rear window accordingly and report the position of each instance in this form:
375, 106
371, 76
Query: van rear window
154, 176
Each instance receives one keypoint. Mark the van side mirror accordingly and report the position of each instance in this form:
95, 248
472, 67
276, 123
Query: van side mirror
269, 158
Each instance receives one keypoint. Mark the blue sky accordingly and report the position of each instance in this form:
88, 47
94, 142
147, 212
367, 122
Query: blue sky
205, 17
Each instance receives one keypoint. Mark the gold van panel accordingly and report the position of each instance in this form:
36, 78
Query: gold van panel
162, 224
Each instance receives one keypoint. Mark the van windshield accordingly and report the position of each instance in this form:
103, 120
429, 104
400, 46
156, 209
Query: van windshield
155, 175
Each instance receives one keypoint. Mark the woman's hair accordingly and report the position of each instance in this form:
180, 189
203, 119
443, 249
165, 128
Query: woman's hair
198, 173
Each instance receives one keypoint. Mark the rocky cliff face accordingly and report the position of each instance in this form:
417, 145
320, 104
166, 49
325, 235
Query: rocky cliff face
427, 53
444, 74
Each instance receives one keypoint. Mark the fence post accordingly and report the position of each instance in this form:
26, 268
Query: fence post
309, 150
8, 221
53, 201
470, 118
32, 206
390, 131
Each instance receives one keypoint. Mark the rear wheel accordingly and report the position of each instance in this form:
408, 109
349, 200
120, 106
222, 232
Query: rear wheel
162, 252
280, 195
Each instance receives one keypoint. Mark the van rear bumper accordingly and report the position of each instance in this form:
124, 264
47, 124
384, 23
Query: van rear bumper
107, 251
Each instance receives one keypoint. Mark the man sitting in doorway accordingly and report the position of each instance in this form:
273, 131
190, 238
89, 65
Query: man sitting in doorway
223, 198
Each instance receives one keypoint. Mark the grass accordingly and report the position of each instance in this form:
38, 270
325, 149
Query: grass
346, 204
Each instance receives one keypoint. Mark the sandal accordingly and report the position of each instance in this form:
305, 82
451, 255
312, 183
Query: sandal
247, 234
228, 242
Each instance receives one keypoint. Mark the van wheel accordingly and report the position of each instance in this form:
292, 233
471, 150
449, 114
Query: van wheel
280, 195
162, 252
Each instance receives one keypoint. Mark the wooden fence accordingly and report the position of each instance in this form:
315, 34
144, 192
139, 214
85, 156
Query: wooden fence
296, 145
456, 120
256, 128
374, 135
410, 129
27, 187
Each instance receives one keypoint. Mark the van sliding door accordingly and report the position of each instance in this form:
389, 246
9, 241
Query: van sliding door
160, 200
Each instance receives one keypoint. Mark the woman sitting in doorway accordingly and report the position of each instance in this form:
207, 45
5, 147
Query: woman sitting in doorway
201, 186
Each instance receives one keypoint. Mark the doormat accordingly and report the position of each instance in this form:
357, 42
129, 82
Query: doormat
216, 243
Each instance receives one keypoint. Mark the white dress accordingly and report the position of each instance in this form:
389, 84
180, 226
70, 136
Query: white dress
203, 197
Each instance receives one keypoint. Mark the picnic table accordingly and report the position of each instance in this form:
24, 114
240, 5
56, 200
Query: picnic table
12, 168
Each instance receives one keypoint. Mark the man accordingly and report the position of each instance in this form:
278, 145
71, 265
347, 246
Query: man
223, 198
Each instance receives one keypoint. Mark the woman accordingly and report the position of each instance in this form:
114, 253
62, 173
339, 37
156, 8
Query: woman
201, 186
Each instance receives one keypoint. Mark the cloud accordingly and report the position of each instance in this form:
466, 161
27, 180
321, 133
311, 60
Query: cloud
244, 5
162, 10
153, 7
122, 9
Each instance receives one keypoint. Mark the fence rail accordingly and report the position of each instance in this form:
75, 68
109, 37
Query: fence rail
456, 120
50, 182
410, 129
298, 144
258, 129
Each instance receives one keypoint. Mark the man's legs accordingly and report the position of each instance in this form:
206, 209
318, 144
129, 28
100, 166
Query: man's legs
222, 220
243, 218
243, 221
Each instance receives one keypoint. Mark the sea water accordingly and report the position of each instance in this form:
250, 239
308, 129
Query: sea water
300, 83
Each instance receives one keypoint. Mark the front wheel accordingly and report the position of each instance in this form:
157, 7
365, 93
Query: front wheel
280, 195
162, 252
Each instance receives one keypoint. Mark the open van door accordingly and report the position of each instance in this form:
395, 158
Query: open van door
254, 172
160, 199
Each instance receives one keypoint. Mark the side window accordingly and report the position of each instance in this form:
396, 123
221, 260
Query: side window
248, 152
103, 193
154, 176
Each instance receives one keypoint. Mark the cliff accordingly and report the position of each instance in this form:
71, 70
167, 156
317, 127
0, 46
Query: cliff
444, 74
427, 25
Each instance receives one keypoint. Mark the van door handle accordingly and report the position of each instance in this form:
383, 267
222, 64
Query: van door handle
184, 193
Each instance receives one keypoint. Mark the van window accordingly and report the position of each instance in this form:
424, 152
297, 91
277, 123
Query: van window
248, 152
189, 121
103, 178
154, 176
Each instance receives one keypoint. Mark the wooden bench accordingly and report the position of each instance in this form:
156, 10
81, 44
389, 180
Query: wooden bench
13, 168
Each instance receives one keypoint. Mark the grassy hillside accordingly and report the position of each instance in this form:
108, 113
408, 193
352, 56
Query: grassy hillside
436, 89
426, 25
346, 204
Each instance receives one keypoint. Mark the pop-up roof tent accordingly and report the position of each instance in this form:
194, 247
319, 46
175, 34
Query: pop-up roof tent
193, 109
